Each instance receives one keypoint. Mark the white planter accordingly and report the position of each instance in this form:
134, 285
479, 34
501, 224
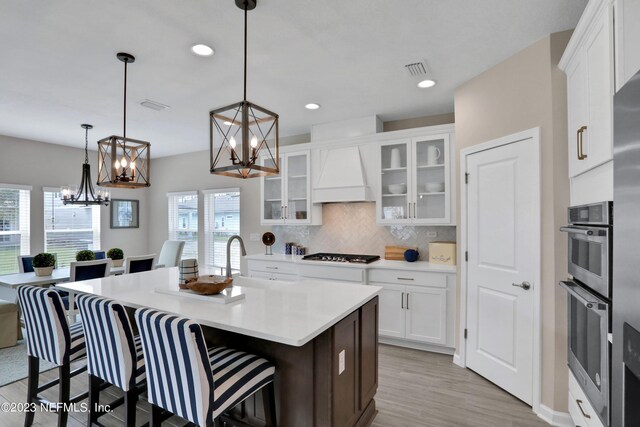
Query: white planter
117, 262
43, 271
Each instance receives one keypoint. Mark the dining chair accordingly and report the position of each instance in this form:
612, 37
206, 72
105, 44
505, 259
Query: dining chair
137, 264
49, 337
114, 355
87, 270
100, 254
171, 253
25, 263
197, 383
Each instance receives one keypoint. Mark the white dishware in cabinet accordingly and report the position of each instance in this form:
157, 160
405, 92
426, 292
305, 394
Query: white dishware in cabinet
415, 181
286, 198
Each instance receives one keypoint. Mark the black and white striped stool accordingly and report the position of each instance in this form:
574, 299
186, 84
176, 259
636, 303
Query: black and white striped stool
114, 355
49, 337
195, 382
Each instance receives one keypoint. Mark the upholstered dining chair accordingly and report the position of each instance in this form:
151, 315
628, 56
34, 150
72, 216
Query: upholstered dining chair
114, 355
171, 253
195, 382
49, 337
87, 270
137, 264
100, 254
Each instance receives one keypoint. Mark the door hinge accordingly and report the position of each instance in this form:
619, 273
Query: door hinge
465, 334
466, 177
466, 255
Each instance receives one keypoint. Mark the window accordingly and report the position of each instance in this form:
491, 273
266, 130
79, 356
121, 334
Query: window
15, 205
183, 221
221, 221
69, 229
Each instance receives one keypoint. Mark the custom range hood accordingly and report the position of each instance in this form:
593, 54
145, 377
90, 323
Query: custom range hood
342, 177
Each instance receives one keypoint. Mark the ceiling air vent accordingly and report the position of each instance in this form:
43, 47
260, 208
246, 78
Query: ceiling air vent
156, 106
416, 69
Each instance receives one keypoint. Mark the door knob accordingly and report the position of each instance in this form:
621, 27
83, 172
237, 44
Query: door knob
524, 285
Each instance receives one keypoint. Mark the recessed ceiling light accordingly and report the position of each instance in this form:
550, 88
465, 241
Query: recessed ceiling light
202, 50
426, 83
312, 106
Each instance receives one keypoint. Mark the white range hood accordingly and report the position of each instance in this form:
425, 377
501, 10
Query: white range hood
342, 177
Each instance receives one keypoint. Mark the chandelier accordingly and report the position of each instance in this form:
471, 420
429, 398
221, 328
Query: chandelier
123, 162
84, 194
244, 136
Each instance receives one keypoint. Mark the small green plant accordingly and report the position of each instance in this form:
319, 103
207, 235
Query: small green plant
115, 254
85, 255
44, 260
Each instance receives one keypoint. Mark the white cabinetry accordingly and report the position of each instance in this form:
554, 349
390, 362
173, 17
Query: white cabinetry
581, 411
286, 198
627, 40
588, 64
420, 311
415, 181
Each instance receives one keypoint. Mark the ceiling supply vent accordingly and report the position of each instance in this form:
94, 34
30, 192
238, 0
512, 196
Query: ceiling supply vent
156, 106
416, 69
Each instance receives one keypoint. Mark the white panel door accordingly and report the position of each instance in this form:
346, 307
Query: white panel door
426, 314
503, 238
392, 313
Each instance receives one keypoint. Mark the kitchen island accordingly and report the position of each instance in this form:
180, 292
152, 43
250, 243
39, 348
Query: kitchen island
322, 337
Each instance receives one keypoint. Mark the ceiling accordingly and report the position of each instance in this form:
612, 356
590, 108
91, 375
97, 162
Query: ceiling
59, 67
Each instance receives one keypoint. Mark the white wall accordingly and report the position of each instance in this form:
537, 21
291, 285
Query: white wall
41, 165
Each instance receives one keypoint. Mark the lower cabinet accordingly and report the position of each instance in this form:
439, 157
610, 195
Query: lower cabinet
417, 313
581, 411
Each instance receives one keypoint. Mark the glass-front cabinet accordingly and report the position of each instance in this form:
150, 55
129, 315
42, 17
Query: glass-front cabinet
286, 197
415, 181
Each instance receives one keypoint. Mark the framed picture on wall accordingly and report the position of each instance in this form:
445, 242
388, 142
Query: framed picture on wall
124, 213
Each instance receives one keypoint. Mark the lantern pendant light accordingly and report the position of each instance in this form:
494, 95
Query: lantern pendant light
244, 136
84, 194
124, 162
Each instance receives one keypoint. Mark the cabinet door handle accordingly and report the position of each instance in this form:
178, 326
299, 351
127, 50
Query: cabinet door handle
415, 211
407, 300
584, 414
404, 278
579, 143
402, 300
282, 212
285, 212
409, 210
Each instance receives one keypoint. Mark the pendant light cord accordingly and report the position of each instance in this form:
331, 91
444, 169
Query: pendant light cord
86, 145
124, 124
246, 2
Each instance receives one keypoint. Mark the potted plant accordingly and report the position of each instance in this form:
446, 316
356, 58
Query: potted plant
43, 264
116, 255
85, 255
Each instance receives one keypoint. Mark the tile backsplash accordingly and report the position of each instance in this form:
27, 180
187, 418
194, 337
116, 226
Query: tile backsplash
352, 228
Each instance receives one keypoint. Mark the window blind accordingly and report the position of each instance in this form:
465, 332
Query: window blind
69, 229
221, 221
183, 221
15, 207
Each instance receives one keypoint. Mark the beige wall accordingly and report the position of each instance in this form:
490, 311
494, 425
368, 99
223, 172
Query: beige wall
41, 165
523, 92
416, 122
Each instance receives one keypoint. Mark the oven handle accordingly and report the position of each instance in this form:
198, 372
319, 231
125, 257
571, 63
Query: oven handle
577, 230
590, 301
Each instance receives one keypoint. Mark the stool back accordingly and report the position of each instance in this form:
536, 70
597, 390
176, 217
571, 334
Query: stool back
48, 335
111, 349
179, 377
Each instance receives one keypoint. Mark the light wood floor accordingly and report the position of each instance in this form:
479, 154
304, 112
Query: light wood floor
416, 389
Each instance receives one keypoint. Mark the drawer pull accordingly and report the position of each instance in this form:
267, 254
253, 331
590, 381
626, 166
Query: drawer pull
272, 268
584, 414
402, 301
404, 278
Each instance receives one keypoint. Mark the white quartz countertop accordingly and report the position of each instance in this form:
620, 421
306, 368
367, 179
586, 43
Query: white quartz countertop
381, 263
290, 313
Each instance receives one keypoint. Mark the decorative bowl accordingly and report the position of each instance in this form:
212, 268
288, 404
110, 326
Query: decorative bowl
398, 188
434, 187
208, 285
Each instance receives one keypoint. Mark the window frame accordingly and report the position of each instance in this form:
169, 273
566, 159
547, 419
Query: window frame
174, 224
209, 227
24, 221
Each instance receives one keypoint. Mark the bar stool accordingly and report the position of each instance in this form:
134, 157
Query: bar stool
49, 337
114, 355
192, 381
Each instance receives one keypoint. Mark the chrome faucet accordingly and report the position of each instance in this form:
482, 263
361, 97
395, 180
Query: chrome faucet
242, 250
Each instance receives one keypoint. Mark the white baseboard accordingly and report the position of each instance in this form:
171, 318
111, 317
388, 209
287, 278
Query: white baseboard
457, 360
555, 418
416, 345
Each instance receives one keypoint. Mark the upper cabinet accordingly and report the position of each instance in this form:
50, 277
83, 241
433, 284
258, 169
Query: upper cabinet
627, 40
415, 181
588, 64
286, 198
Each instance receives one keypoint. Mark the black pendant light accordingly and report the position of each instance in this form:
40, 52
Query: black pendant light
84, 194
124, 162
244, 136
